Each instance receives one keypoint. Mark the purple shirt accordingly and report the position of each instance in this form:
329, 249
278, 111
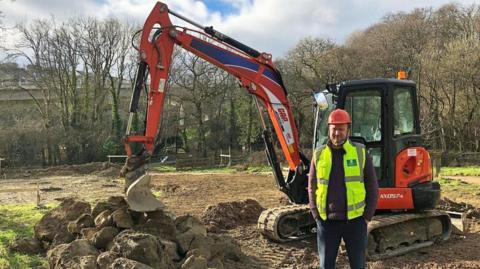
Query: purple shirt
336, 194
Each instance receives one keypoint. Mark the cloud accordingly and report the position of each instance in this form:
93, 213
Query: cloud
273, 26
276, 25
23, 10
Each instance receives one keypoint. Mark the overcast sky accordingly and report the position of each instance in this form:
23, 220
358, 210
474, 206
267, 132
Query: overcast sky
273, 26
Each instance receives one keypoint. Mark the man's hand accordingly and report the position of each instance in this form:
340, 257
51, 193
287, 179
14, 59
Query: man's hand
314, 212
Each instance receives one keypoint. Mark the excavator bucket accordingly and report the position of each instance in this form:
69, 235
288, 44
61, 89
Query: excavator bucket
140, 198
137, 185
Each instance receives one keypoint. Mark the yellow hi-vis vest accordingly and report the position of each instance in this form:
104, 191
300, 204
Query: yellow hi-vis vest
353, 165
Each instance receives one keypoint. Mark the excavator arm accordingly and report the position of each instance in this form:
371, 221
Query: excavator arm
256, 73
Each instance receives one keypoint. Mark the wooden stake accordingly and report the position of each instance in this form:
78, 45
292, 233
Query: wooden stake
38, 195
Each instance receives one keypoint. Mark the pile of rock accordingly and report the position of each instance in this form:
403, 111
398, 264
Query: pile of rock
449, 205
112, 236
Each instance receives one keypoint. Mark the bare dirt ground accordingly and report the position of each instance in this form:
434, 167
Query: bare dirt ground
191, 193
468, 179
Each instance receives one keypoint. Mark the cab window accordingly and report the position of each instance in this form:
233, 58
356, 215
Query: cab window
403, 119
364, 106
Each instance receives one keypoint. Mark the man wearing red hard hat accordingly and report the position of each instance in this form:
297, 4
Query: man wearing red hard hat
343, 193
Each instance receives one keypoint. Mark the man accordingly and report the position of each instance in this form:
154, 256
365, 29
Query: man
343, 193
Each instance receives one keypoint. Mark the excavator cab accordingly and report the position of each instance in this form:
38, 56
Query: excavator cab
377, 107
385, 118
364, 104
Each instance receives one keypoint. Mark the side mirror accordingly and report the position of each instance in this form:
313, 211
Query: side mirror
320, 101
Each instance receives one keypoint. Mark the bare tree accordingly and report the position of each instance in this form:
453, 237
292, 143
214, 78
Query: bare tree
122, 65
204, 86
77, 65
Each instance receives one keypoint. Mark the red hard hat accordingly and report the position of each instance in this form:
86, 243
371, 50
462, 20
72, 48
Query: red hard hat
339, 116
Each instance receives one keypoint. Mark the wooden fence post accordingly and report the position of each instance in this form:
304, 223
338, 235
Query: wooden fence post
1, 171
38, 195
229, 156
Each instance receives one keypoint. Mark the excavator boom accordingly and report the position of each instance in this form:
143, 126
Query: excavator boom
255, 71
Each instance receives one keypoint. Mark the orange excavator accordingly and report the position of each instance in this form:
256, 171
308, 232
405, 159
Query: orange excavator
384, 114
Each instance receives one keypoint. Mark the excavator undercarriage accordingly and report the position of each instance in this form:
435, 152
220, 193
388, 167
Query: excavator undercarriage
398, 233
389, 234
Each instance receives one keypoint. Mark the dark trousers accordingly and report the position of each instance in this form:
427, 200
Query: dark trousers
354, 234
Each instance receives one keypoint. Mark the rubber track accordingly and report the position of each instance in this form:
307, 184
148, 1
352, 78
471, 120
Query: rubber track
268, 220
380, 221
386, 220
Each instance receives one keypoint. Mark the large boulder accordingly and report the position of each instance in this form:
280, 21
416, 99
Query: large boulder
195, 262
105, 259
104, 219
60, 238
141, 247
27, 245
73, 255
88, 233
190, 223
117, 201
225, 247
124, 263
159, 224
88, 262
190, 241
55, 221
122, 219
171, 249
192, 234
102, 238
216, 264
112, 203
84, 221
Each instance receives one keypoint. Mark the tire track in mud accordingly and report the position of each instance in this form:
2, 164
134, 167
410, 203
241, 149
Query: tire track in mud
271, 255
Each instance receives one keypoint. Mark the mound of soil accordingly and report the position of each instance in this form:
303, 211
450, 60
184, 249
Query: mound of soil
225, 216
112, 171
102, 168
449, 205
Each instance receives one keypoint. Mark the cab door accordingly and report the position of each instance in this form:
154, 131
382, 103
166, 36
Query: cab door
385, 118
366, 105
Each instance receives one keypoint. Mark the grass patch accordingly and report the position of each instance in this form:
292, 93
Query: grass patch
163, 168
18, 220
460, 171
458, 186
169, 168
220, 170
460, 191
233, 169
259, 169
157, 194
